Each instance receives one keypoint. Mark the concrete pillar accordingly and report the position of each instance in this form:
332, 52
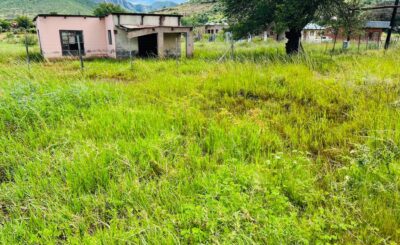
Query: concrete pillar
160, 44
189, 44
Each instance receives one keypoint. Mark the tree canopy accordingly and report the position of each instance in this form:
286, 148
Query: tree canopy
107, 8
290, 16
24, 22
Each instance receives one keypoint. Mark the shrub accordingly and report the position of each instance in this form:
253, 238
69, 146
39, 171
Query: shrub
31, 40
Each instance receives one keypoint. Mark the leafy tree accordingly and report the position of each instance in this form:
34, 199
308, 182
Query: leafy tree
107, 8
24, 22
250, 16
5, 25
382, 14
350, 20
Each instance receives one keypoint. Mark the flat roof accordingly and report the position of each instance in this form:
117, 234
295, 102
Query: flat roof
92, 16
139, 27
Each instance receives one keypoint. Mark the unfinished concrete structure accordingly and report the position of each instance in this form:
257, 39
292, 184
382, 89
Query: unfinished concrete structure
117, 35
213, 28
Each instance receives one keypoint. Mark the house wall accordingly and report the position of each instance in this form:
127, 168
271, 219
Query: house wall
128, 20
151, 20
172, 44
312, 35
124, 45
171, 21
148, 20
111, 49
94, 34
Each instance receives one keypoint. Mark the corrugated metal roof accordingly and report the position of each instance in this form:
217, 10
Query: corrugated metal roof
313, 26
378, 24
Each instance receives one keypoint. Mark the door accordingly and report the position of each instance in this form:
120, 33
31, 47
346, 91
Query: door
148, 46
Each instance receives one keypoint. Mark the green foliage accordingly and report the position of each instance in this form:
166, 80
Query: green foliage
5, 25
195, 20
263, 149
24, 22
254, 16
29, 40
107, 8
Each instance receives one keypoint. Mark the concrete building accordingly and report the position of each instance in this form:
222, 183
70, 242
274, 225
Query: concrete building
313, 33
213, 28
374, 29
116, 35
371, 31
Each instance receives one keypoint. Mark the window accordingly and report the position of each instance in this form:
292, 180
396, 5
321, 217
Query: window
109, 37
71, 42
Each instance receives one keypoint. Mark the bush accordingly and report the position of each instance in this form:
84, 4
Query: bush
31, 40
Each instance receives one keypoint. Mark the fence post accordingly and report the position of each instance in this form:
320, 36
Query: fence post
28, 59
232, 49
80, 52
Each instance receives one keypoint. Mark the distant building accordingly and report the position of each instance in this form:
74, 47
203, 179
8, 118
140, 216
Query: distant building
116, 35
313, 33
212, 28
374, 29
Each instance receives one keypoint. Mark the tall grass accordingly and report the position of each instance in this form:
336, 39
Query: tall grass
260, 149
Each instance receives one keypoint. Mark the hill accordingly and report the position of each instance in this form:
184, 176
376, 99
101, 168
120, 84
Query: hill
11, 8
197, 12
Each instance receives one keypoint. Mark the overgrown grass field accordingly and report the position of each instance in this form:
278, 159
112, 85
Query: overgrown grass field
260, 149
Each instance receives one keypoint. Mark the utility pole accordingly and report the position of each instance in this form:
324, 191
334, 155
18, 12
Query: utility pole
392, 25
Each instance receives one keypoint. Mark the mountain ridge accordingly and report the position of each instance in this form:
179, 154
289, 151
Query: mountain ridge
9, 9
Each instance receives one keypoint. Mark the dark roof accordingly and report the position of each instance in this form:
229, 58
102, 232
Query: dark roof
135, 27
148, 14
65, 15
378, 24
92, 16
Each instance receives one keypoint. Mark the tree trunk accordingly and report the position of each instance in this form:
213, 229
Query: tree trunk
293, 43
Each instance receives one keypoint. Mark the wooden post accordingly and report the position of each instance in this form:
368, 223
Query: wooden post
131, 59
334, 42
28, 59
80, 52
392, 25
131, 54
232, 49
359, 42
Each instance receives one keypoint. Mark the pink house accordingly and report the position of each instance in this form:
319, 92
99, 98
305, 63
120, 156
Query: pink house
116, 35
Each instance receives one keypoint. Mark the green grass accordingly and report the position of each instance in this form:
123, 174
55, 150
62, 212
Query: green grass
262, 149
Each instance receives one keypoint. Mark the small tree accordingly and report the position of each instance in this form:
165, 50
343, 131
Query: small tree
348, 18
107, 8
5, 25
24, 22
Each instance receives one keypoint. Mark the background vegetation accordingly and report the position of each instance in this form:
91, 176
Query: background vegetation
263, 148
